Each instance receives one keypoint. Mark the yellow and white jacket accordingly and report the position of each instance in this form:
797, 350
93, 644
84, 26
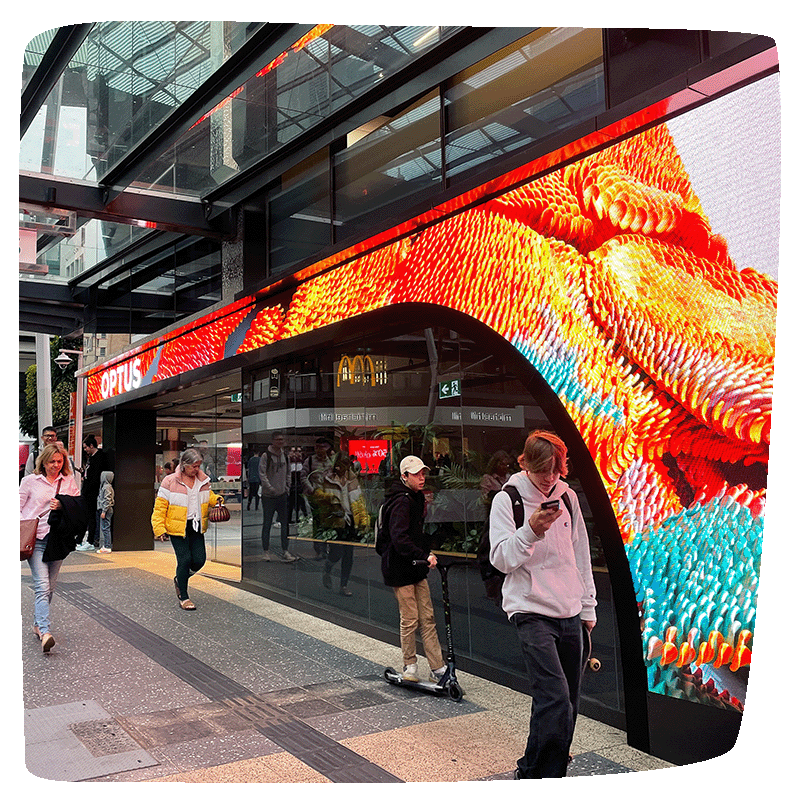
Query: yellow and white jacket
169, 512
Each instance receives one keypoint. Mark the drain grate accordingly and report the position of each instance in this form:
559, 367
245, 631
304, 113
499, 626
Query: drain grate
103, 737
326, 755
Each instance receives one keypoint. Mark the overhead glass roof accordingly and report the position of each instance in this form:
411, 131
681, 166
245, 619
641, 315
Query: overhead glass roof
330, 67
126, 78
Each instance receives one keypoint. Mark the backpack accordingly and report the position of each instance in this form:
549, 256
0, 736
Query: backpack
382, 538
269, 460
492, 577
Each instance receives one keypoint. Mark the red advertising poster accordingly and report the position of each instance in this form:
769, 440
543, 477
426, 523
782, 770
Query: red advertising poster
233, 464
73, 402
369, 453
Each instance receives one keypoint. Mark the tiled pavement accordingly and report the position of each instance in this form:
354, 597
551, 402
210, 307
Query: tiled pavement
247, 690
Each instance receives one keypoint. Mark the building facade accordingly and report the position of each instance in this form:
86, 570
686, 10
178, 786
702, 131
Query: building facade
554, 228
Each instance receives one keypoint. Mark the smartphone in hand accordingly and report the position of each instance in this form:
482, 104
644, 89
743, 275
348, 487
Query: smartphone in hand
550, 505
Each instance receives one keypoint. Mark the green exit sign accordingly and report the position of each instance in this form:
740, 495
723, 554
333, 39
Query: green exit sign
236, 397
450, 389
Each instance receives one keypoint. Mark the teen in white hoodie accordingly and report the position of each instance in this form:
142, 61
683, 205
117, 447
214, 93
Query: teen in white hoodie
548, 594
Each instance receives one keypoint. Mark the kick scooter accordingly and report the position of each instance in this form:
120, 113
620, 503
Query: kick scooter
447, 686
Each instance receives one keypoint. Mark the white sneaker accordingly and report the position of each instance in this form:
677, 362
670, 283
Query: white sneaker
436, 674
104, 550
85, 546
410, 673
289, 556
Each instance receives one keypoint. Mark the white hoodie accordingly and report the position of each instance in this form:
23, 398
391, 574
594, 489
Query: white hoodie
551, 574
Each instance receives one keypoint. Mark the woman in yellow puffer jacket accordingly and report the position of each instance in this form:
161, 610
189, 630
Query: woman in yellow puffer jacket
181, 511
342, 510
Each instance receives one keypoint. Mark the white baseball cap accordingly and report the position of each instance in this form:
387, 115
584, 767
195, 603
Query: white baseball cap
411, 464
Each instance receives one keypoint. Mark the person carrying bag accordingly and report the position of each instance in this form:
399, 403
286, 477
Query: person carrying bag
49, 496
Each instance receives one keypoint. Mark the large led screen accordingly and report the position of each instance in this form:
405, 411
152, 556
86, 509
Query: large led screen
641, 282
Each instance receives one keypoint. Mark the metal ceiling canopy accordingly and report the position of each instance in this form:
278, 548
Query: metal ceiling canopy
265, 44
138, 208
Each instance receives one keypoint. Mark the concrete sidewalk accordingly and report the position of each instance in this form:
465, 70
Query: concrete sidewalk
247, 690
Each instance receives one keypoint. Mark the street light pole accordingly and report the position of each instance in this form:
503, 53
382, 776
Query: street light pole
63, 360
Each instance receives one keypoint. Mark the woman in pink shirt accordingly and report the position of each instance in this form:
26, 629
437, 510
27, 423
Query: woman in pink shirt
52, 475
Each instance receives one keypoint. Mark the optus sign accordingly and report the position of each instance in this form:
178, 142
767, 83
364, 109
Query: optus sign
122, 378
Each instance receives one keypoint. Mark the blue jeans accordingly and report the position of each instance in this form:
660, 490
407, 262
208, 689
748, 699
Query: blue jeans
44, 583
269, 507
104, 529
553, 652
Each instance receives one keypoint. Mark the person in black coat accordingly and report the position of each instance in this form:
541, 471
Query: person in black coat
90, 488
407, 543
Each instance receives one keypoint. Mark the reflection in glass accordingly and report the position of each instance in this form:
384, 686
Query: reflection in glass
401, 157
327, 69
350, 413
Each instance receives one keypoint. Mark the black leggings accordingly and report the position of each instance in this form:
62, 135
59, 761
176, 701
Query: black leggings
191, 554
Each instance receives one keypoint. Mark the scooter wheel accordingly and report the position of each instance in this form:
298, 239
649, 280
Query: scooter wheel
388, 674
455, 692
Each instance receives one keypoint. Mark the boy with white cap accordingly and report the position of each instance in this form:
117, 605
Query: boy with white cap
404, 514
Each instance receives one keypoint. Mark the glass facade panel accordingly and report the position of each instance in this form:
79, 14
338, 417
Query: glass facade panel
209, 420
345, 418
93, 242
398, 159
329, 68
299, 213
547, 82
177, 281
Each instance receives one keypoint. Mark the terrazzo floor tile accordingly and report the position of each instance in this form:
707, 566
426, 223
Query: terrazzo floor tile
593, 764
278, 768
343, 725
323, 678
394, 715
211, 751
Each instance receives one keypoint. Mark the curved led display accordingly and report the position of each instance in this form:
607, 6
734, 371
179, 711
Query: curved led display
611, 278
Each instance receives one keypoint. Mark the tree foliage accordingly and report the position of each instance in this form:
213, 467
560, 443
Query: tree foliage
63, 384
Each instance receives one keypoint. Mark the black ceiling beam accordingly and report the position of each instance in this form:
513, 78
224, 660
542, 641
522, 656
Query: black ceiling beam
454, 54
55, 60
128, 208
45, 292
266, 43
39, 323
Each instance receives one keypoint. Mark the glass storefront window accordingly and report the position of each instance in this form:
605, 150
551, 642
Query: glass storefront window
550, 80
207, 417
359, 408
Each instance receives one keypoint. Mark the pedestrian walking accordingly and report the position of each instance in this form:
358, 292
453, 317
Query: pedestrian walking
105, 510
90, 488
275, 478
40, 493
49, 436
548, 594
181, 511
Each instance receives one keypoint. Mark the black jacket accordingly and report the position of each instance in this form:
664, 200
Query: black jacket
67, 526
90, 487
408, 541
